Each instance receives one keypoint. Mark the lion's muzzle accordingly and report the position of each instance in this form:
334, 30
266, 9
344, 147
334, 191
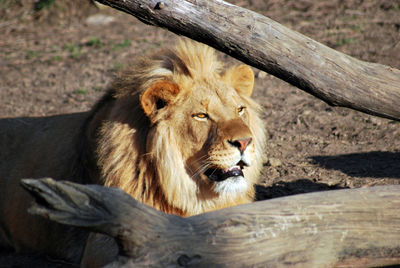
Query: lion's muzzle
232, 152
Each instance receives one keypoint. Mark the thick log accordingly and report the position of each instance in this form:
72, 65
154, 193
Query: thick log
334, 77
342, 228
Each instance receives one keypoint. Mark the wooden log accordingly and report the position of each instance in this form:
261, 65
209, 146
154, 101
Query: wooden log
336, 78
342, 228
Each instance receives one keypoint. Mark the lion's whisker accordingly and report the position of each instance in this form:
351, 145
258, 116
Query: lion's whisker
205, 159
201, 169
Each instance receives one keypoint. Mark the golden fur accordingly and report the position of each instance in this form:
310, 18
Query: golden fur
161, 173
175, 131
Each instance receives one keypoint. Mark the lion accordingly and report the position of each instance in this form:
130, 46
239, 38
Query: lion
176, 131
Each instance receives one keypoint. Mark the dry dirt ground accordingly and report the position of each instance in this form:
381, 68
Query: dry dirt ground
59, 57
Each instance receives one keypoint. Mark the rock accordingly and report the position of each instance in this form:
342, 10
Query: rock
274, 162
261, 75
99, 19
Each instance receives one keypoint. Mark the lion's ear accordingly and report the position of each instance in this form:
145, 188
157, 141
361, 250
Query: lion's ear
241, 77
157, 96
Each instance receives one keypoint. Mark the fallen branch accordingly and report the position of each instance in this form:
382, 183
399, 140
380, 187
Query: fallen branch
343, 228
334, 77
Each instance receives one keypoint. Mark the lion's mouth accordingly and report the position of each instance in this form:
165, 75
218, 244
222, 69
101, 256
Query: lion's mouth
216, 174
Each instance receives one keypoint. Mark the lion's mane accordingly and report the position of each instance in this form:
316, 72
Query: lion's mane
145, 159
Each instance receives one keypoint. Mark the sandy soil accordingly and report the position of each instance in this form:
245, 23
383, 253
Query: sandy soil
61, 59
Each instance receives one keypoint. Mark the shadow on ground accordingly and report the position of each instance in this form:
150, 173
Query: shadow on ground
283, 188
370, 164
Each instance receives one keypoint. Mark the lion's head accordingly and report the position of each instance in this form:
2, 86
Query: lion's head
181, 134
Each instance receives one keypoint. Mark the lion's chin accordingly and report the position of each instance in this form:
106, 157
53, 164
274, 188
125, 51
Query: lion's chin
231, 185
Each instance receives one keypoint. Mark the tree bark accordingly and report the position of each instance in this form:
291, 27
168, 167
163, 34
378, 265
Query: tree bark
334, 77
342, 228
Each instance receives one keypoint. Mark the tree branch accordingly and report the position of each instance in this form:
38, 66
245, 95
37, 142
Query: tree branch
334, 77
342, 228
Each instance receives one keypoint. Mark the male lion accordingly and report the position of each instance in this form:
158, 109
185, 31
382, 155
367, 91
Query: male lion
174, 131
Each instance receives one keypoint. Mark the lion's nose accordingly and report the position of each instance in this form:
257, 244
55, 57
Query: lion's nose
241, 144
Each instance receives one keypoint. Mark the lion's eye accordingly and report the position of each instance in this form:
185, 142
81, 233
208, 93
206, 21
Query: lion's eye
240, 110
200, 116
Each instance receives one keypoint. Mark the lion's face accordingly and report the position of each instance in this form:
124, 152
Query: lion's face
209, 122
216, 138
